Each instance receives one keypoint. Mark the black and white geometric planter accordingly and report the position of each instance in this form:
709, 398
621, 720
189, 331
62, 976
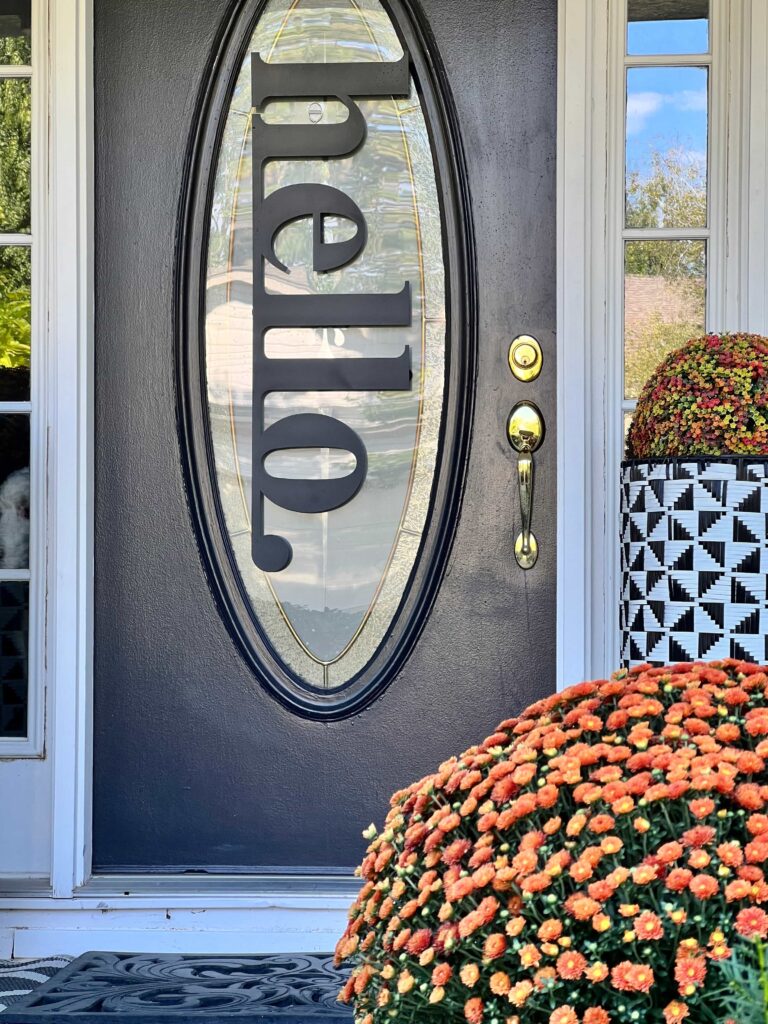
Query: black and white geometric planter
694, 560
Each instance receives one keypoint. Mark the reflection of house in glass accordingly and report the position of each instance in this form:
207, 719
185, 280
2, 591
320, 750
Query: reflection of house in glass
329, 610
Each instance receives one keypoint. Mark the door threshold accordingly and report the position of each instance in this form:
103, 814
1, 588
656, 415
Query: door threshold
149, 988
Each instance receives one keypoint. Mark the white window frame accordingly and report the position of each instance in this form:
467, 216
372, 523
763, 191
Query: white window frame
591, 236
33, 745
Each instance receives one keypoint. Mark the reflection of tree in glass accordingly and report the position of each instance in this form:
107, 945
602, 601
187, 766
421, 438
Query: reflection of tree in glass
15, 45
673, 194
665, 278
15, 154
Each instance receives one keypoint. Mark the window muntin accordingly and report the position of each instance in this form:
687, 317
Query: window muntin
328, 612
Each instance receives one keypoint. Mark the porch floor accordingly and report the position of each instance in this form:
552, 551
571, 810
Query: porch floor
148, 988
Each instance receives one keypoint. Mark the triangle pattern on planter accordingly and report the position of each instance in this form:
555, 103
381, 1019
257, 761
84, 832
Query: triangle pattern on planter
694, 559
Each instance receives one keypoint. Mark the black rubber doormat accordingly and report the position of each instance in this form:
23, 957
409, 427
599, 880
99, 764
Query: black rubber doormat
149, 988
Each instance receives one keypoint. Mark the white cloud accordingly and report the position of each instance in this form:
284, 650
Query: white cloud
641, 106
689, 99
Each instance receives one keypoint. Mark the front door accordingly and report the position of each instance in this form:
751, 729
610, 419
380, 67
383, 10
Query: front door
319, 226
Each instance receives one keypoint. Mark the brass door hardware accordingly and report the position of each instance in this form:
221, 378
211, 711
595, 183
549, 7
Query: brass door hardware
525, 431
525, 358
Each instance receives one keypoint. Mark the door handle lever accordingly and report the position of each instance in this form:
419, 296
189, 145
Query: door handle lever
525, 431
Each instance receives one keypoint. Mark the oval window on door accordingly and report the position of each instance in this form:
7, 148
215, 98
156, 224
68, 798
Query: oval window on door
325, 461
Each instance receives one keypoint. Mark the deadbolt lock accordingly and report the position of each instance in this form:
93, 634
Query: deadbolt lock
525, 357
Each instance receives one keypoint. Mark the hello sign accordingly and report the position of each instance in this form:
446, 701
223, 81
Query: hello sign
272, 553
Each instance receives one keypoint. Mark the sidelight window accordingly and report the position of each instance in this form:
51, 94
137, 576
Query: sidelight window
666, 188
20, 711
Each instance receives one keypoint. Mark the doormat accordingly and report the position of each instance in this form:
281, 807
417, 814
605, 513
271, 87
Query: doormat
19, 977
150, 988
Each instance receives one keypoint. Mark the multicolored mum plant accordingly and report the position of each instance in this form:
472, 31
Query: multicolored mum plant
709, 397
592, 861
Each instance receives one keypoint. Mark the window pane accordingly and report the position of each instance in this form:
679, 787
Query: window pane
666, 157
15, 154
664, 304
14, 659
15, 322
668, 26
15, 31
14, 491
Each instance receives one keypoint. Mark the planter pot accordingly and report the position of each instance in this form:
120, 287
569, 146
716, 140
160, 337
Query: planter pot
694, 559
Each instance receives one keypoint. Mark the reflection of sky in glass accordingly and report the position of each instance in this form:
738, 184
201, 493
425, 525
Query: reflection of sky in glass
666, 110
646, 37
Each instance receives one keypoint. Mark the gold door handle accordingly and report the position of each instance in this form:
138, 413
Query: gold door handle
525, 431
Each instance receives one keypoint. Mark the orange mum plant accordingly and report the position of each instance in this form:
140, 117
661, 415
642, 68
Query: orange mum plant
590, 862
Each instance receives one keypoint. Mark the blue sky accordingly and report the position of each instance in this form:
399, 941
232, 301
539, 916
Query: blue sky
666, 109
690, 36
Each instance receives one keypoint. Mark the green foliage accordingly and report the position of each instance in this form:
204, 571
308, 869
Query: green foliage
15, 154
743, 994
15, 307
14, 45
15, 157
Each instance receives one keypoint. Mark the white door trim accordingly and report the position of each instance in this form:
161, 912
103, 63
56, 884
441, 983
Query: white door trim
70, 600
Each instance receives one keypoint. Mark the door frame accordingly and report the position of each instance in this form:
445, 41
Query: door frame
77, 910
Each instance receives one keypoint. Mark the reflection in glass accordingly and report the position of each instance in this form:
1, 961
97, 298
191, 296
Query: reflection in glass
667, 26
14, 491
327, 613
666, 158
15, 32
15, 154
627, 424
14, 655
664, 303
15, 322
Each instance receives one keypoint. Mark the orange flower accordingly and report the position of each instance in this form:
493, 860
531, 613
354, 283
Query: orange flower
596, 972
550, 931
530, 956
441, 974
581, 907
704, 887
596, 1015
690, 972
473, 1010
649, 926
675, 1012
629, 977
518, 994
471, 858
500, 983
469, 974
563, 1015
752, 923
494, 946
702, 808
571, 965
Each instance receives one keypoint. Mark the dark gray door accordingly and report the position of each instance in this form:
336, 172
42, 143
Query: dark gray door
255, 706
